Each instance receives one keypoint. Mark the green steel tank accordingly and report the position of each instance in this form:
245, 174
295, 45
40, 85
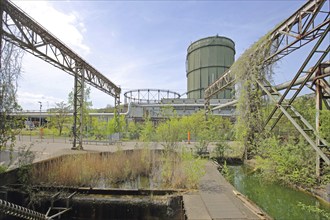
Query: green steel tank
207, 59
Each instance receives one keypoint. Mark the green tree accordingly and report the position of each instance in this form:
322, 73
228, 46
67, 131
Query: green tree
134, 130
169, 132
111, 126
61, 116
147, 131
10, 71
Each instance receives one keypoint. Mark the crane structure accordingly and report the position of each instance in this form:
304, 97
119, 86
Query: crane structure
20, 29
310, 24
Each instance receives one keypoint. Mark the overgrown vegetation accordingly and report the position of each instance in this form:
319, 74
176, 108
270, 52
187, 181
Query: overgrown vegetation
282, 156
286, 157
165, 169
10, 71
290, 162
314, 209
246, 69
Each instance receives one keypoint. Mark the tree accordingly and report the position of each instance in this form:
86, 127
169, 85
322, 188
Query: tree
10, 70
61, 117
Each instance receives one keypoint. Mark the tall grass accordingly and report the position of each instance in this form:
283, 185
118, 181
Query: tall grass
164, 169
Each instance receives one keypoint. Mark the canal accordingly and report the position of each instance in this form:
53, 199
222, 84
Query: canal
278, 201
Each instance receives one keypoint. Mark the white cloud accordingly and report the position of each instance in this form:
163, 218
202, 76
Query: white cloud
32, 99
68, 27
41, 81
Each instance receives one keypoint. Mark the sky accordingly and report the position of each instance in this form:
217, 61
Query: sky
137, 44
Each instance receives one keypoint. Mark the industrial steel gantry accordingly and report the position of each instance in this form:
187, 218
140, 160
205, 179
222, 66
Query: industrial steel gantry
310, 23
20, 29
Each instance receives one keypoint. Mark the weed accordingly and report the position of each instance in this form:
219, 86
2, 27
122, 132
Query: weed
314, 209
164, 169
201, 147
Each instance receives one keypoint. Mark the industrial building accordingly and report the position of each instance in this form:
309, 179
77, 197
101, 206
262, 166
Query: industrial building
207, 59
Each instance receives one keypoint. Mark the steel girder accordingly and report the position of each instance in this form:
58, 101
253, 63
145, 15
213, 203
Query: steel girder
305, 25
298, 121
311, 22
316, 53
117, 113
21, 30
78, 110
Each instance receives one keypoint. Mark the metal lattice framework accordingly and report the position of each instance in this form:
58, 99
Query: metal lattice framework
305, 25
18, 28
149, 95
310, 23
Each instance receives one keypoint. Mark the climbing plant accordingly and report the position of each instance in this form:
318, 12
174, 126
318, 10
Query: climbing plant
247, 68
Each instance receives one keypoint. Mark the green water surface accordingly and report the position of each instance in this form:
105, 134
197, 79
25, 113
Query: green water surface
278, 201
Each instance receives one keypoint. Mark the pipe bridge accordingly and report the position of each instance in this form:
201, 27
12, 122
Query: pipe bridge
310, 24
20, 29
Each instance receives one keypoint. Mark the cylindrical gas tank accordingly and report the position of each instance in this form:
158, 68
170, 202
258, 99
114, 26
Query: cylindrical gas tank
207, 59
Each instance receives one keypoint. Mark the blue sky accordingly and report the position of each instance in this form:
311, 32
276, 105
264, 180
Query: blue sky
138, 44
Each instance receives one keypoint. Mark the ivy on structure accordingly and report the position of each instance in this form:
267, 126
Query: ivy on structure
247, 68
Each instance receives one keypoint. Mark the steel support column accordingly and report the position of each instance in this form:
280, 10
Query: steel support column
2, 114
78, 112
1, 30
318, 107
117, 113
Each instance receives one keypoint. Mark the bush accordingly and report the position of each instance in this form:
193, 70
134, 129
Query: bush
220, 149
286, 162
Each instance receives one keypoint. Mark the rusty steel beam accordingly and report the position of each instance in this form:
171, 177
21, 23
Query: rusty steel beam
269, 91
227, 79
20, 29
325, 72
35, 39
305, 25
302, 27
316, 50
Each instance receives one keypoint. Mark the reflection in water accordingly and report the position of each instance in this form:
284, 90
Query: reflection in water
278, 201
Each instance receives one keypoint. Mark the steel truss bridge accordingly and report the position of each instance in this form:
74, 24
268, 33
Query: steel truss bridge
310, 24
20, 29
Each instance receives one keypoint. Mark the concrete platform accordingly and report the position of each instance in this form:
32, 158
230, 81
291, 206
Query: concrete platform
217, 199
